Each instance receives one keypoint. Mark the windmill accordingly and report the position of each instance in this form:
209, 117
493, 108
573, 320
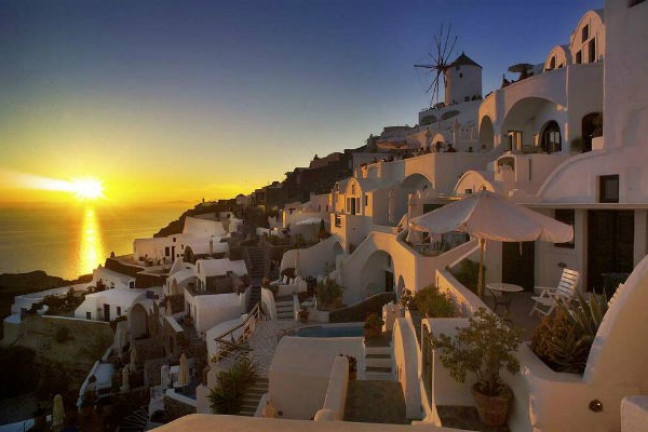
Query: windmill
440, 59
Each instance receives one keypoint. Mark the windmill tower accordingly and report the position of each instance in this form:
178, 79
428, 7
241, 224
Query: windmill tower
461, 78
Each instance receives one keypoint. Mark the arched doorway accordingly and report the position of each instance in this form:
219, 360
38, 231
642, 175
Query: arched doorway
377, 274
550, 137
189, 255
592, 127
486, 134
138, 321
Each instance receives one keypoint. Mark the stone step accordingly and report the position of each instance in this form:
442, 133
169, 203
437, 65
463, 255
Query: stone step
370, 350
378, 362
378, 369
379, 376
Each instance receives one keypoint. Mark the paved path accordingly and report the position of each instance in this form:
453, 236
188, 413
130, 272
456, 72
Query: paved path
264, 342
375, 402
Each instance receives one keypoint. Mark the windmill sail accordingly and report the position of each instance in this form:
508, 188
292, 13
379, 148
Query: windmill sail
440, 60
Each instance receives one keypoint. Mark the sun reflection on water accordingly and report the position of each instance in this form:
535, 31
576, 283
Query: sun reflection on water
91, 252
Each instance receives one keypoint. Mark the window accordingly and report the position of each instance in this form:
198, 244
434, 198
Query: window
89, 315
166, 251
366, 200
579, 58
467, 191
118, 311
609, 189
585, 33
174, 239
591, 50
565, 216
461, 75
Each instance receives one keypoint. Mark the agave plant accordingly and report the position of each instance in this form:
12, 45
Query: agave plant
563, 339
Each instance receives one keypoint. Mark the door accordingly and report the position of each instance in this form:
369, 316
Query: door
389, 281
518, 268
610, 245
106, 312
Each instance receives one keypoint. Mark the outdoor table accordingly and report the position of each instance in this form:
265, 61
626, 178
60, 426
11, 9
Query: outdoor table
503, 291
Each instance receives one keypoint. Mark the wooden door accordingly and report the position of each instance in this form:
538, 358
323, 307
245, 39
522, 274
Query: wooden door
389, 281
106, 312
610, 245
519, 268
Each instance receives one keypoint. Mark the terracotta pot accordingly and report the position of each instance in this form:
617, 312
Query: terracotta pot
493, 410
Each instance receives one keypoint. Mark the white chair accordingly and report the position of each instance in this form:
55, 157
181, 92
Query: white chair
565, 291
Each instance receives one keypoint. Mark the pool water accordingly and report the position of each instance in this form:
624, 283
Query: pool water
330, 331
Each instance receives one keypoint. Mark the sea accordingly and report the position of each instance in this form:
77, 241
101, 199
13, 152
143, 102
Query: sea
71, 240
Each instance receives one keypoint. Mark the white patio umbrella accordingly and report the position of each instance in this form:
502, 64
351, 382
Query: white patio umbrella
488, 216
58, 413
183, 371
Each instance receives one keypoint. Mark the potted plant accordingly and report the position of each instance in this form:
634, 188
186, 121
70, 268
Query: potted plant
303, 315
373, 326
353, 366
483, 348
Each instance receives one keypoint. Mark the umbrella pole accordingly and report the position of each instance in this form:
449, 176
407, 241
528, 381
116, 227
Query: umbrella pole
480, 283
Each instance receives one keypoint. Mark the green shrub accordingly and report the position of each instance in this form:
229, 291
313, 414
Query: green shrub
329, 294
483, 348
564, 338
467, 273
227, 396
430, 302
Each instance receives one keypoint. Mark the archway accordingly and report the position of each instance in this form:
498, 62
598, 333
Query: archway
486, 134
527, 118
551, 139
189, 255
377, 274
592, 127
138, 321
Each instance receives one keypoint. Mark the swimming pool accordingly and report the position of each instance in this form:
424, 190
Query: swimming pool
331, 331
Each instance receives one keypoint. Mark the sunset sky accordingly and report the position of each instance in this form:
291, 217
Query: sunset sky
176, 100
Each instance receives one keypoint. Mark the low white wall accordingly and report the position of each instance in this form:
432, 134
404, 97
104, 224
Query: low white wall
445, 390
553, 402
300, 371
267, 301
407, 355
311, 260
336, 392
467, 302
634, 414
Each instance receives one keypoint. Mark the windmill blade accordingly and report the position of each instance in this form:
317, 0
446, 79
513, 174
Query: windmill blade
447, 57
445, 45
425, 66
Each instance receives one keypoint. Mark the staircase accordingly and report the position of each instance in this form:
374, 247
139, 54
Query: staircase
378, 363
255, 297
285, 311
252, 397
136, 421
256, 256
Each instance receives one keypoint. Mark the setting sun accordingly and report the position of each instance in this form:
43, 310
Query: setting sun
87, 188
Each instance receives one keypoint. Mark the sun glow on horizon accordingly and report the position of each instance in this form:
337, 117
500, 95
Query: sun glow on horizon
87, 188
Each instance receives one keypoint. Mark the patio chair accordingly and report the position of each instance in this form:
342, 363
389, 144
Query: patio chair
565, 291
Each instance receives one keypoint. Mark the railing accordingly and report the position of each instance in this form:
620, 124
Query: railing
237, 345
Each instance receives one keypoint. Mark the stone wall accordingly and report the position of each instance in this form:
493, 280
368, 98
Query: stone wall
359, 311
174, 409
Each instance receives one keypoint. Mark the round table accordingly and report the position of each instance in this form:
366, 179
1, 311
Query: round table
504, 297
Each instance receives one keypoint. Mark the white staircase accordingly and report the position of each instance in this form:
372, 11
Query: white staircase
252, 397
285, 309
378, 363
